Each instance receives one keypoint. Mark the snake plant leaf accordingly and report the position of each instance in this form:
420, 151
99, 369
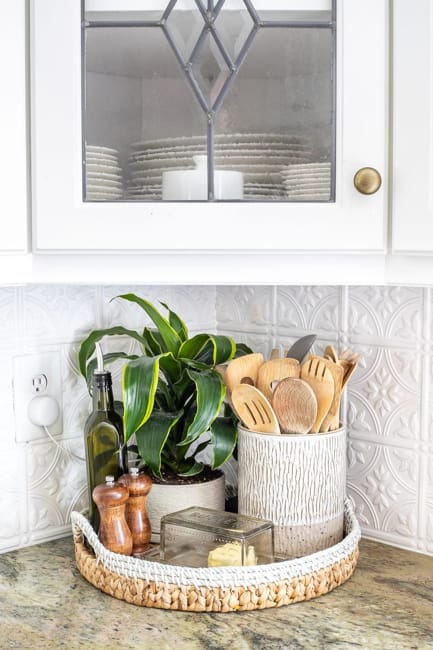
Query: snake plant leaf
210, 392
108, 359
168, 334
87, 347
177, 323
139, 384
224, 435
152, 435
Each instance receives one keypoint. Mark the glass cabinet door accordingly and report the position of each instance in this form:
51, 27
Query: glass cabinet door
231, 100
198, 125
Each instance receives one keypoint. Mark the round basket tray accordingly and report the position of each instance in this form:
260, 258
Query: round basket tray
215, 589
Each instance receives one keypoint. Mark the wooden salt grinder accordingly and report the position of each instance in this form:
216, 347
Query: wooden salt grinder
111, 498
136, 514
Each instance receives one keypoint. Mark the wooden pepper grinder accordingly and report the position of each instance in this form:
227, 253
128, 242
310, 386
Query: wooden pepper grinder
136, 514
114, 533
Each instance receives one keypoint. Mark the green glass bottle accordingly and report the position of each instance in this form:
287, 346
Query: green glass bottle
105, 453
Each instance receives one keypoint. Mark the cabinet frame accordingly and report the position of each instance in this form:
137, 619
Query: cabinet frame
62, 222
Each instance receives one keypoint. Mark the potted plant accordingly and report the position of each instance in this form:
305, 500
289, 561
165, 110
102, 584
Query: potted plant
172, 396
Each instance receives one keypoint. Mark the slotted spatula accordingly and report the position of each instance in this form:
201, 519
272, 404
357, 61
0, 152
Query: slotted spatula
254, 410
315, 373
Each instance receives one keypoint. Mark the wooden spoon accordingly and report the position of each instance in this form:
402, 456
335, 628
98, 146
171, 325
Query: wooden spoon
295, 405
254, 410
274, 371
243, 370
316, 373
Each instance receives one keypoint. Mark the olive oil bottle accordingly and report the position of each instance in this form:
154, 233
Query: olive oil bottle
105, 452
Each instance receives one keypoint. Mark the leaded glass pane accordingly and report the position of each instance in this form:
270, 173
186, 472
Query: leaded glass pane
216, 100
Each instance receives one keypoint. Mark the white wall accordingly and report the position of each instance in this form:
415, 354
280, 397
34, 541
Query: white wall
388, 409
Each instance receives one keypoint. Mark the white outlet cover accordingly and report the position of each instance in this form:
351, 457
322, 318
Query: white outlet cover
26, 367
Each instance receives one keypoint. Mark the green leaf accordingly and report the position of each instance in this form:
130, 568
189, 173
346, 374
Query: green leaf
108, 359
193, 470
224, 348
218, 349
241, 349
210, 395
151, 438
224, 435
177, 323
168, 334
139, 383
153, 341
171, 367
87, 347
191, 348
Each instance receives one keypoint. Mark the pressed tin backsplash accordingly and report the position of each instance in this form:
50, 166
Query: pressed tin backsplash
388, 407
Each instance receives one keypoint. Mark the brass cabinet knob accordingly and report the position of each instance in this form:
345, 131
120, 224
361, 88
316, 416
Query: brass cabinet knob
367, 180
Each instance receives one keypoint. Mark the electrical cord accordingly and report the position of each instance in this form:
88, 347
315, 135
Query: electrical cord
65, 451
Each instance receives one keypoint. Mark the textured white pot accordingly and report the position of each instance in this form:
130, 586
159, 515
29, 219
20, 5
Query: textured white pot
164, 499
299, 483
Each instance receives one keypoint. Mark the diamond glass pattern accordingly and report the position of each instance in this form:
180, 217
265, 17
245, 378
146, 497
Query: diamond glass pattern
233, 26
185, 23
210, 69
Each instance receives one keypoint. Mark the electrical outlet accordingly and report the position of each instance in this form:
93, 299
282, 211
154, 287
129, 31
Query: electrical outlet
35, 374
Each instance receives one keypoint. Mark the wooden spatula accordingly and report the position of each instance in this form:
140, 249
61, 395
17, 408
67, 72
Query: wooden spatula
331, 353
332, 418
243, 370
254, 410
274, 371
295, 405
316, 373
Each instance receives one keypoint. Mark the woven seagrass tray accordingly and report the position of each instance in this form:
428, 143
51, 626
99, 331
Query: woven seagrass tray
215, 589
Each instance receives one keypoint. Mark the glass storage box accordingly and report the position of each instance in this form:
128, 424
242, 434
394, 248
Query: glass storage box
201, 537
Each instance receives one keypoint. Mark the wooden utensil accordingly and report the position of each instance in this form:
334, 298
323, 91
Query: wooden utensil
331, 353
332, 418
254, 410
315, 372
349, 368
274, 371
243, 370
295, 405
275, 353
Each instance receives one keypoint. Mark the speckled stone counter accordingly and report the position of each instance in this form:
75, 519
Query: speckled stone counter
45, 603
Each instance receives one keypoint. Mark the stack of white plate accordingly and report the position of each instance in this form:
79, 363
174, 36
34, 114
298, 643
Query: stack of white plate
103, 174
259, 156
310, 181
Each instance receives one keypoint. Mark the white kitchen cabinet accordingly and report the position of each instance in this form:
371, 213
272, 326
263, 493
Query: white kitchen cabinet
13, 159
64, 222
412, 204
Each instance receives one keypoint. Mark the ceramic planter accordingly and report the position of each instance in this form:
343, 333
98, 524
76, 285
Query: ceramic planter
165, 498
298, 482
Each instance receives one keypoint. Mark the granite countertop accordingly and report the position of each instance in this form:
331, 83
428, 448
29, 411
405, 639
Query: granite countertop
45, 603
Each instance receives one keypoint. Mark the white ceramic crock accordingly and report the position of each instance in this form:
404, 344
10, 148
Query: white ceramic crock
299, 483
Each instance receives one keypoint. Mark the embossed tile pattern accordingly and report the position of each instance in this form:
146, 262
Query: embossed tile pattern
388, 407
